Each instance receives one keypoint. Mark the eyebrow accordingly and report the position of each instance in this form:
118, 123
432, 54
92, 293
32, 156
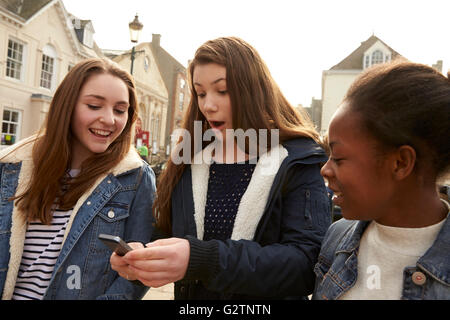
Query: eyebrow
103, 99
333, 143
214, 82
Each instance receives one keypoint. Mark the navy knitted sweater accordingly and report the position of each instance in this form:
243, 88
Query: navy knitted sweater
227, 183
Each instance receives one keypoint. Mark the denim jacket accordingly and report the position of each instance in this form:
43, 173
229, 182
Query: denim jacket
336, 269
118, 203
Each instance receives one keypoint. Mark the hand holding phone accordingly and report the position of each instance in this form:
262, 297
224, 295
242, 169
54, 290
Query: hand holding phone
115, 243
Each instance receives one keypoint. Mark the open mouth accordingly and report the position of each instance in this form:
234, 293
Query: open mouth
337, 197
100, 133
216, 124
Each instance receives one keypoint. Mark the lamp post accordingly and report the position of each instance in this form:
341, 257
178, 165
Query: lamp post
135, 31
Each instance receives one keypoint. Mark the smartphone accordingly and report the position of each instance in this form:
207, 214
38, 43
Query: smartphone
115, 243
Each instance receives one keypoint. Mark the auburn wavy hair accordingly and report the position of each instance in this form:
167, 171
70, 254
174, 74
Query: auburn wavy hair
52, 150
256, 102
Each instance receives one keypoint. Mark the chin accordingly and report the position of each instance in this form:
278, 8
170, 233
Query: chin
99, 149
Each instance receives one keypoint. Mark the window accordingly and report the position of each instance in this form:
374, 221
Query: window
47, 71
10, 126
88, 38
14, 62
48, 67
181, 102
146, 63
157, 128
377, 57
367, 61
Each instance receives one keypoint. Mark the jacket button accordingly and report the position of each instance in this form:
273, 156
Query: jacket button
111, 214
419, 278
88, 203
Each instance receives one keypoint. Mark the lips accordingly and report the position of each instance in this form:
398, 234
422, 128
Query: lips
100, 133
337, 196
216, 124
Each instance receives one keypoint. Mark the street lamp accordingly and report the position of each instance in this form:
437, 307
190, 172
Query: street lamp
135, 31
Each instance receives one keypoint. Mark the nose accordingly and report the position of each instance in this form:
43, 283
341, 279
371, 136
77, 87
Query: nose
326, 171
210, 105
107, 116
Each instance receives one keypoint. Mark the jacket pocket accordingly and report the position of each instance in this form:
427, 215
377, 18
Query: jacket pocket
112, 217
114, 211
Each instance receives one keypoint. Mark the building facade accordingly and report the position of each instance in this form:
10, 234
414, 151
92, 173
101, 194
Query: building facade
39, 43
152, 96
175, 78
337, 80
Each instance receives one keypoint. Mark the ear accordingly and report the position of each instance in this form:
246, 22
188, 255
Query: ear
404, 162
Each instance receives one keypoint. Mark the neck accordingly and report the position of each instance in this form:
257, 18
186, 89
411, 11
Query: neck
414, 208
229, 153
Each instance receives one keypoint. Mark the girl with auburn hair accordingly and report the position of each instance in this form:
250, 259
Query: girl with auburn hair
241, 225
79, 176
389, 146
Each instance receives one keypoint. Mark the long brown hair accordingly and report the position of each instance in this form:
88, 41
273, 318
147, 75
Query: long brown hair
52, 149
256, 103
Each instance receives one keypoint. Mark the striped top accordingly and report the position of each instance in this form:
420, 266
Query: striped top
41, 250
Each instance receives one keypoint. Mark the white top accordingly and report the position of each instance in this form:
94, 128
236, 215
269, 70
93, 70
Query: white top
384, 253
41, 250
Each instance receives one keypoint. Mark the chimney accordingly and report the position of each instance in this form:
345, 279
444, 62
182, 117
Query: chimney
438, 65
156, 39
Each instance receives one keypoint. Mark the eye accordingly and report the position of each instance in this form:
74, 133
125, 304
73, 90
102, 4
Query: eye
223, 91
201, 95
119, 111
91, 106
336, 160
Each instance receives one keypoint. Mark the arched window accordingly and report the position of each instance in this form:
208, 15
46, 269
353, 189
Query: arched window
377, 57
48, 67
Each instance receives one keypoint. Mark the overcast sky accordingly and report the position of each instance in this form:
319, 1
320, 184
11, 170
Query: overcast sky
298, 39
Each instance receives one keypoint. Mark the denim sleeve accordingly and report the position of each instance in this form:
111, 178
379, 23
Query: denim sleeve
138, 229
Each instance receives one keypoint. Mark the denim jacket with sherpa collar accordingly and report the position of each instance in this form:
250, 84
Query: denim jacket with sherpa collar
117, 203
336, 269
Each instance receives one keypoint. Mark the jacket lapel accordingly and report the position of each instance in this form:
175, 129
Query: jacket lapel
18, 230
21, 152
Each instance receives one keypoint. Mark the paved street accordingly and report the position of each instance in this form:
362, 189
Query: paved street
162, 293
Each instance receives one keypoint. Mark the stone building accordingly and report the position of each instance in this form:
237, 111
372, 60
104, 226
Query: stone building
39, 43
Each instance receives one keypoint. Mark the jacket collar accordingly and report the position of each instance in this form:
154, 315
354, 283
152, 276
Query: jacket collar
436, 261
350, 242
305, 149
253, 201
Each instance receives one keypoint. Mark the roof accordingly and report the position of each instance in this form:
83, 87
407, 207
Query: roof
25, 9
355, 60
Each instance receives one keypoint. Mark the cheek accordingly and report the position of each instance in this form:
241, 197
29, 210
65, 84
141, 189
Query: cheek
121, 124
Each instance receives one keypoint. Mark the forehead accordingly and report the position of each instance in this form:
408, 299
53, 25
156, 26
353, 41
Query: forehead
107, 86
346, 129
208, 73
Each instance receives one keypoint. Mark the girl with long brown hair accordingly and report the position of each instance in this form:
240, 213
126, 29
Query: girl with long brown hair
243, 223
79, 176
